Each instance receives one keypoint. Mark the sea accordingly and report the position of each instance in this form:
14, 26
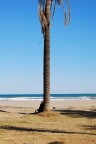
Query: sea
18, 97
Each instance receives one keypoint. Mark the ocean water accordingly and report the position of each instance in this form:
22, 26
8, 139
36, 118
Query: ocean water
17, 97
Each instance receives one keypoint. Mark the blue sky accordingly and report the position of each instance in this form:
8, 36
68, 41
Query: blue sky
73, 49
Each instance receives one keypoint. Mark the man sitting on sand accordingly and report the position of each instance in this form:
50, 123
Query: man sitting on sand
41, 107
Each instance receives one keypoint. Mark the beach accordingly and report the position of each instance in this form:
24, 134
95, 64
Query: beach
58, 104
70, 122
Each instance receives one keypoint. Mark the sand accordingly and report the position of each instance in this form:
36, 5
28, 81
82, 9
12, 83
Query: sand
71, 122
58, 104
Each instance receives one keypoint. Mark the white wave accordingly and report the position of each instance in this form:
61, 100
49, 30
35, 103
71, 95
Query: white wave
21, 98
40, 98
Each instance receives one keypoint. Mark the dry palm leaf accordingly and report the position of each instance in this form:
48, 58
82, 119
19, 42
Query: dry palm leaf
42, 17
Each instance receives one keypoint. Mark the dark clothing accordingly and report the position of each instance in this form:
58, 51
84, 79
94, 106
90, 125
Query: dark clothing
41, 107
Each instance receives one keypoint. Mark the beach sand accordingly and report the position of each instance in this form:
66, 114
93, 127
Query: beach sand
70, 122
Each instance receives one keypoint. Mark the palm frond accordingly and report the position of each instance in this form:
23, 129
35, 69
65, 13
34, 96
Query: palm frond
54, 9
42, 17
51, 5
40, 3
65, 17
69, 12
54, 3
58, 2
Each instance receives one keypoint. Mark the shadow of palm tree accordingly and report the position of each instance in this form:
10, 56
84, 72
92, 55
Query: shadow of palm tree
57, 142
2, 111
25, 113
90, 127
78, 113
8, 127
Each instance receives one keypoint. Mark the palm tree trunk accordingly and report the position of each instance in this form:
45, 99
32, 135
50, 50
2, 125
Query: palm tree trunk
46, 73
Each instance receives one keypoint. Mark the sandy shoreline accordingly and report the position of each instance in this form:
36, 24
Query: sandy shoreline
58, 104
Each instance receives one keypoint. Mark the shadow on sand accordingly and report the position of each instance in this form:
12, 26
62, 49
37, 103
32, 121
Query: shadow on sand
26, 113
2, 111
89, 127
78, 113
56, 142
8, 127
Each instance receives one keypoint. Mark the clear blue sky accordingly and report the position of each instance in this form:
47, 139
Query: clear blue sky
73, 50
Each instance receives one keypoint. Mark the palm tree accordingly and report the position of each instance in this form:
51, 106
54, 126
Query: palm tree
46, 14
